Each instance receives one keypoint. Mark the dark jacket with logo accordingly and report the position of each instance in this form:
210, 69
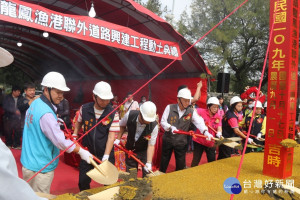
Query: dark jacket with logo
227, 131
96, 140
182, 124
142, 143
256, 125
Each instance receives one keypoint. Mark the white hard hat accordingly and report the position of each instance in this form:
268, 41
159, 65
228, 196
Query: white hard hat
103, 90
258, 104
235, 99
55, 80
148, 111
185, 93
266, 103
213, 100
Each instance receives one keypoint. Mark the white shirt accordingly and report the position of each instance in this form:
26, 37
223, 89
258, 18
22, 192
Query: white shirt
13, 187
134, 105
139, 129
196, 119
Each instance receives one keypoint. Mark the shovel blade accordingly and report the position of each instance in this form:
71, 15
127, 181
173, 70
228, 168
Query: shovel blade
234, 145
110, 175
235, 139
110, 193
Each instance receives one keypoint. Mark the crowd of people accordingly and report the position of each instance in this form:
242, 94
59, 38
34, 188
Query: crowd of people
35, 119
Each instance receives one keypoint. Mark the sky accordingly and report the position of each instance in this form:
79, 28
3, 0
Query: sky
179, 6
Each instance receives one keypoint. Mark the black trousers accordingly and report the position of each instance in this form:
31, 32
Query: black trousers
224, 152
198, 151
131, 163
12, 132
167, 150
85, 180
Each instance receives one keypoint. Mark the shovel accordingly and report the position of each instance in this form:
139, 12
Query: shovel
110, 193
218, 141
132, 155
254, 136
234, 145
108, 172
252, 145
105, 173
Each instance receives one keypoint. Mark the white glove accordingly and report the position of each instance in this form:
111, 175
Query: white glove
117, 142
60, 121
208, 135
148, 167
250, 141
258, 137
173, 128
219, 134
85, 155
105, 157
75, 136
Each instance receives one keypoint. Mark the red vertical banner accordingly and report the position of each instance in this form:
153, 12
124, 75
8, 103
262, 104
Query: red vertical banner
282, 87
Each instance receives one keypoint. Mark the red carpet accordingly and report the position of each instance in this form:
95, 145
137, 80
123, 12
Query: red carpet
66, 177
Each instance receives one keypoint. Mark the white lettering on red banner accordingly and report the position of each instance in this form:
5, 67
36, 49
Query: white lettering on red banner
86, 28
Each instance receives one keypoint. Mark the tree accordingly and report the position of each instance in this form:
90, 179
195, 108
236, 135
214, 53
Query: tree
154, 6
239, 43
12, 75
182, 25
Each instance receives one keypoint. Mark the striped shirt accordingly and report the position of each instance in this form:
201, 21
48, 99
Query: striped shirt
115, 127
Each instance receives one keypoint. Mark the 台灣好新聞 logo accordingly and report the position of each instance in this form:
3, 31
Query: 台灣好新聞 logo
232, 185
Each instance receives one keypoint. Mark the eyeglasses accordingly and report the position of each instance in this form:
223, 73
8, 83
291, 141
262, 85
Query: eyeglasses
214, 107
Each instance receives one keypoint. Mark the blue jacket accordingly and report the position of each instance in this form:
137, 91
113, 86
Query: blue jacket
37, 149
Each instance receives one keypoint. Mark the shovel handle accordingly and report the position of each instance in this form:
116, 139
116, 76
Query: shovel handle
130, 154
95, 158
96, 166
211, 128
245, 133
191, 133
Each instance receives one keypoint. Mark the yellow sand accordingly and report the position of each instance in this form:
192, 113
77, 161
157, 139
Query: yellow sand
206, 181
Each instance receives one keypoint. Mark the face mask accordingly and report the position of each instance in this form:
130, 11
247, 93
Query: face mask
143, 100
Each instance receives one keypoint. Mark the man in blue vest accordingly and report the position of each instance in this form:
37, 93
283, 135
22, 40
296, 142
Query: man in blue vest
142, 134
179, 117
42, 137
100, 141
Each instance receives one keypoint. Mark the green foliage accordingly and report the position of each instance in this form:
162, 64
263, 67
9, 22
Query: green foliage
154, 6
239, 43
12, 75
183, 24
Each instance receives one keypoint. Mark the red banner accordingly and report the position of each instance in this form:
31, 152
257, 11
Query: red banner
86, 28
282, 87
